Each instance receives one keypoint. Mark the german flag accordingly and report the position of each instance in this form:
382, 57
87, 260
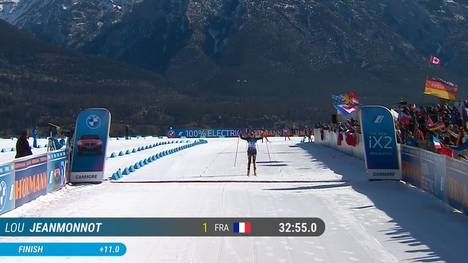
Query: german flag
441, 89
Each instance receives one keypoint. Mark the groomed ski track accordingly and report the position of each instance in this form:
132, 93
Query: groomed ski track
365, 221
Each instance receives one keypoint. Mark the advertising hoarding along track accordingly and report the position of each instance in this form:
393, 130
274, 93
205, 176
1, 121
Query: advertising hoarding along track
7, 188
30, 178
202, 133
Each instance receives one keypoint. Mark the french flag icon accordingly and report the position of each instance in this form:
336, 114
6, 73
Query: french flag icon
242, 227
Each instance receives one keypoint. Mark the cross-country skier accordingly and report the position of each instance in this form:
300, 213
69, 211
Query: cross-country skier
251, 150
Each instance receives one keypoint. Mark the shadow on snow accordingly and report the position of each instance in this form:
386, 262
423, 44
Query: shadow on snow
419, 219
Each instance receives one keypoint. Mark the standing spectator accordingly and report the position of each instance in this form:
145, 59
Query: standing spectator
420, 134
410, 140
308, 133
22, 145
286, 134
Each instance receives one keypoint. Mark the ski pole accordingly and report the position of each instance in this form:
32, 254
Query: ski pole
237, 149
268, 150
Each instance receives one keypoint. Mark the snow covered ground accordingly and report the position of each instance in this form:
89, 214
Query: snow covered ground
365, 221
7, 145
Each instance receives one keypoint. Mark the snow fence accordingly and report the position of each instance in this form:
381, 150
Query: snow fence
27, 178
444, 177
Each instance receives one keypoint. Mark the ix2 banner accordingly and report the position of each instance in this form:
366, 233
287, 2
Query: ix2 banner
380, 143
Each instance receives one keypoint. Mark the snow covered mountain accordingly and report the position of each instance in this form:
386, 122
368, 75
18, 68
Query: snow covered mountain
255, 46
291, 45
68, 23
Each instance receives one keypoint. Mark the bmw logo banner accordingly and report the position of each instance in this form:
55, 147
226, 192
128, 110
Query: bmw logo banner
89, 146
380, 144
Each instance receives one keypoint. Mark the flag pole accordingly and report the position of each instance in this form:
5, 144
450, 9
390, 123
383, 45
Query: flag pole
428, 67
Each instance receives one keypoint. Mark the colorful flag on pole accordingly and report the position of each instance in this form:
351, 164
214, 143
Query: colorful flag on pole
441, 89
437, 144
346, 103
435, 60
242, 227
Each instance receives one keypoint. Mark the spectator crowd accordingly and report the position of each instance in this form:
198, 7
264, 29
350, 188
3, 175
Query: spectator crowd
348, 130
441, 128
